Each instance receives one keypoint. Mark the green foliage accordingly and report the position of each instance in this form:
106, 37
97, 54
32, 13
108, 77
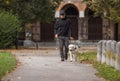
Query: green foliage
105, 71
88, 57
106, 8
31, 10
41, 10
7, 63
9, 26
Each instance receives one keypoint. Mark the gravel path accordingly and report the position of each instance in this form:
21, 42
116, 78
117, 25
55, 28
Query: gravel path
45, 65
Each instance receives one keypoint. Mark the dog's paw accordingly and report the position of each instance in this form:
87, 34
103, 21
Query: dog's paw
70, 60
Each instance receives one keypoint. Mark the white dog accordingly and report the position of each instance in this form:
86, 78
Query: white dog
73, 51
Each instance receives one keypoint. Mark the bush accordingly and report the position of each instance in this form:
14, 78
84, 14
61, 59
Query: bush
9, 26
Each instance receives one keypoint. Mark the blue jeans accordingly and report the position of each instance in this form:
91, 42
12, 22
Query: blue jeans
63, 46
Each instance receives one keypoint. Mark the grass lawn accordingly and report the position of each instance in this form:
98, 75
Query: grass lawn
7, 63
105, 71
87, 57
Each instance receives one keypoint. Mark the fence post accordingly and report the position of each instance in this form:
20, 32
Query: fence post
117, 61
113, 53
108, 52
103, 51
99, 51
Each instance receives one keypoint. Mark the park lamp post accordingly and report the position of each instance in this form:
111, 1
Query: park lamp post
17, 34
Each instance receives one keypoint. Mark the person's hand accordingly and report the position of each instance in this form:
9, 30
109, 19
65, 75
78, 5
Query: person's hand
56, 36
71, 38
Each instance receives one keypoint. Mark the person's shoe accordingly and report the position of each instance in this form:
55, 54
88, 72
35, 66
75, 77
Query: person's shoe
62, 59
66, 57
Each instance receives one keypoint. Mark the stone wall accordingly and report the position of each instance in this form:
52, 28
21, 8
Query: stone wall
109, 52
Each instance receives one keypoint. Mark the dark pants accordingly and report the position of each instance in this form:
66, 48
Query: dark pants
63, 46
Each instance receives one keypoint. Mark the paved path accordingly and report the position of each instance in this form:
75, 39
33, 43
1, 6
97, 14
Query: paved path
45, 65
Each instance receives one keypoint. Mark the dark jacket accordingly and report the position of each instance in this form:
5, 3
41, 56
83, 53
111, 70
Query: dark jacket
63, 27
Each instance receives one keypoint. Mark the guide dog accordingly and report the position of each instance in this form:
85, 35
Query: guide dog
73, 51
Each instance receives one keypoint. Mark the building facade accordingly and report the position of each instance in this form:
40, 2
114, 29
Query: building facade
85, 27
88, 27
